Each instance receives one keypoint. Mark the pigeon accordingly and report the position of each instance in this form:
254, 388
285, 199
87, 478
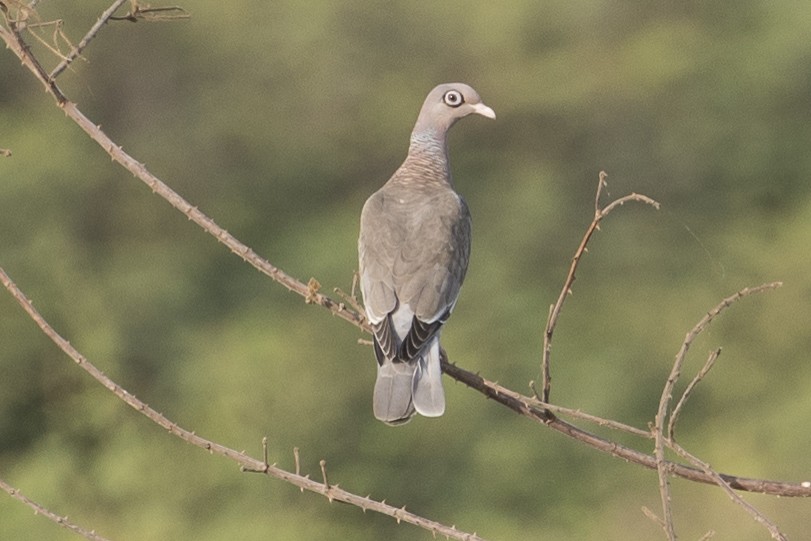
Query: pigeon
413, 253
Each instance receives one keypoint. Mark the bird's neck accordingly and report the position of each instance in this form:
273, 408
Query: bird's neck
428, 152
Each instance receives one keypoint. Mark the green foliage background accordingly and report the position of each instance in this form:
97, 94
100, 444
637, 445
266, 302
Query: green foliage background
278, 119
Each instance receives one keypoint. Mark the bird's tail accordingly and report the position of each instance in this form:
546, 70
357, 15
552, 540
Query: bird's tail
392, 398
426, 391
405, 388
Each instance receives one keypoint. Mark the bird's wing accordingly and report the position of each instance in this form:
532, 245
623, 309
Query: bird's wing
431, 267
377, 248
412, 259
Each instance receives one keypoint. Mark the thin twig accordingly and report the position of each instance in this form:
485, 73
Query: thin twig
17, 44
510, 399
139, 170
667, 396
40, 510
652, 516
24, 14
759, 517
163, 13
554, 312
674, 416
599, 421
350, 298
246, 462
527, 407
77, 50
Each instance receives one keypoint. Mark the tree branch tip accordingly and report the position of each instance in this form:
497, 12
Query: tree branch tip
323, 464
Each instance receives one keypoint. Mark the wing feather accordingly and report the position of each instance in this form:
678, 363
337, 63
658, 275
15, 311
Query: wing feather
414, 251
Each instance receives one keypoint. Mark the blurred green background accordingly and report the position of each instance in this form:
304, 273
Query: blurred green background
278, 119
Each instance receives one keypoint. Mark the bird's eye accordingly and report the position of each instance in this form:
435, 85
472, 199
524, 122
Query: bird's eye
453, 98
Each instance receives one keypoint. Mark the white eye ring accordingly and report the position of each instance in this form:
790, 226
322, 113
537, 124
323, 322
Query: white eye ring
453, 98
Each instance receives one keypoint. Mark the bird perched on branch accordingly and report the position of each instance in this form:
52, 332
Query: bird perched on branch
413, 252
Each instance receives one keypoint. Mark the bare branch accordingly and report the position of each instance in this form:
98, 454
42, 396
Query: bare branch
139, 170
554, 312
749, 508
351, 297
76, 51
16, 43
25, 17
664, 492
163, 13
599, 421
667, 395
246, 462
539, 411
667, 391
529, 408
674, 416
493, 391
40, 510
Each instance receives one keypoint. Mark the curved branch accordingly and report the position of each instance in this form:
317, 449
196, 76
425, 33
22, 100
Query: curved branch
507, 398
529, 407
77, 51
661, 432
537, 411
39, 510
554, 310
759, 517
246, 462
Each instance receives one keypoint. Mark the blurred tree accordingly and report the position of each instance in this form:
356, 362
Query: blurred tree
278, 121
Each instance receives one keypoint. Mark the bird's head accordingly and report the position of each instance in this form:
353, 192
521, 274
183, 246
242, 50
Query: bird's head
446, 104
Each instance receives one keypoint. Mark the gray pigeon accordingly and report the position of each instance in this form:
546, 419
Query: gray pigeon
413, 249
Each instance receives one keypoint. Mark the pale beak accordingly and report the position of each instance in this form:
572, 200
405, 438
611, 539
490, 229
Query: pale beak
483, 110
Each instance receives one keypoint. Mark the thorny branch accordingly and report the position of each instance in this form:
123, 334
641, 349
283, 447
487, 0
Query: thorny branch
508, 398
77, 51
40, 510
246, 462
554, 310
735, 497
674, 416
539, 410
659, 429
148, 13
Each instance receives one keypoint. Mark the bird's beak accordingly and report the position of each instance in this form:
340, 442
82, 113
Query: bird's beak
483, 110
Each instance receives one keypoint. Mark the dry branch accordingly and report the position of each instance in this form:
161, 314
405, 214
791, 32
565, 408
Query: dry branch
246, 462
77, 51
554, 311
721, 482
40, 510
538, 410
522, 404
674, 415
659, 429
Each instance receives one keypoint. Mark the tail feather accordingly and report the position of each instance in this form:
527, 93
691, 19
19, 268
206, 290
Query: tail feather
393, 403
427, 393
